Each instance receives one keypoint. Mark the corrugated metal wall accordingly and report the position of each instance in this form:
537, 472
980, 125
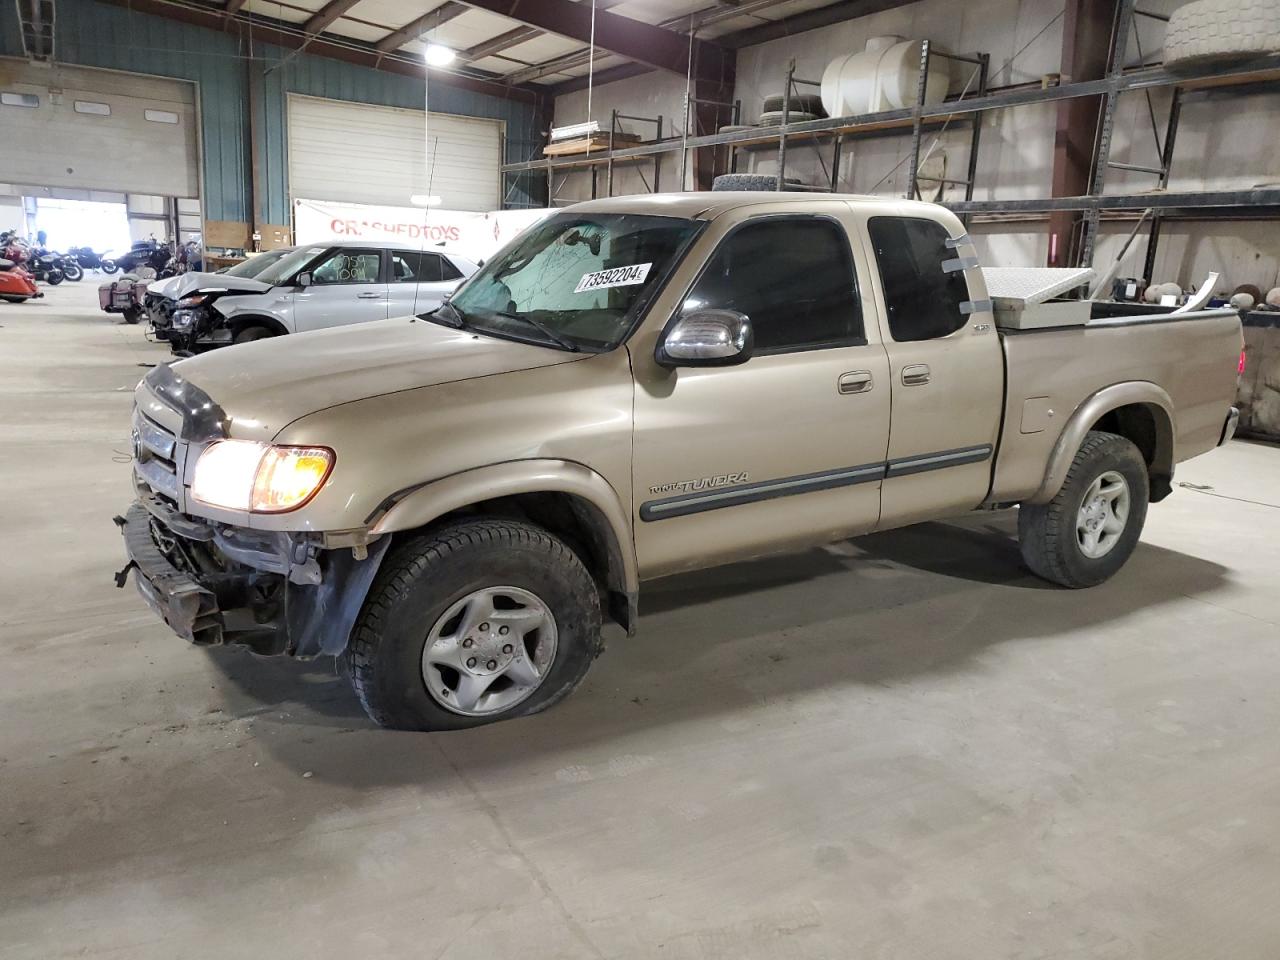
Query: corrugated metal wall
101, 35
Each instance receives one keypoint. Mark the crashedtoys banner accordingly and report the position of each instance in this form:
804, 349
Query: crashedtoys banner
476, 236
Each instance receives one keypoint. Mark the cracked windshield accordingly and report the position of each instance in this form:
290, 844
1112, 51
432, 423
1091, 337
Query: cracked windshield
572, 281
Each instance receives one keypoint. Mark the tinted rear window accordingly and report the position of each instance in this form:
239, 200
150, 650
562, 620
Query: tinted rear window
923, 300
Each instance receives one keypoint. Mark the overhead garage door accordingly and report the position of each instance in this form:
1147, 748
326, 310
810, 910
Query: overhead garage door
358, 153
98, 130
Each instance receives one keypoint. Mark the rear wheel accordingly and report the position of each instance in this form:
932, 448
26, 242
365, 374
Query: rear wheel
132, 314
53, 277
108, 266
10, 299
1086, 533
72, 270
479, 621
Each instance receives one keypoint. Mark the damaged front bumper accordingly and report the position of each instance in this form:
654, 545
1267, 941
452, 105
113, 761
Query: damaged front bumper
275, 593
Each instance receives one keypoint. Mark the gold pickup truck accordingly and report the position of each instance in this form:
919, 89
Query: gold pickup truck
634, 388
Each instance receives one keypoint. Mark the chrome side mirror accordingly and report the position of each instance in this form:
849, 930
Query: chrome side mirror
303, 279
707, 338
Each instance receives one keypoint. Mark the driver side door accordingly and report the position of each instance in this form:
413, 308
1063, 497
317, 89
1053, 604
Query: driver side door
347, 286
785, 450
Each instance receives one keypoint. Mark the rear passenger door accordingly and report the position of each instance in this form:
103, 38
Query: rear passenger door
419, 280
946, 370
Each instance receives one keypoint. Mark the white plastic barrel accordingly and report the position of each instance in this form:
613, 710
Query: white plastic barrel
884, 76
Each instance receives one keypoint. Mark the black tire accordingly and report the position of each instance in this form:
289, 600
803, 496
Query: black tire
53, 277
73, 271
9, 299
132, 314
749, 181
424, 576
1047, 532
773, 118
800, 103
108, 266
250, 334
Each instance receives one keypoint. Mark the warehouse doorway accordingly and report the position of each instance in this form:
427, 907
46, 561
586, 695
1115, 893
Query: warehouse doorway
357, 153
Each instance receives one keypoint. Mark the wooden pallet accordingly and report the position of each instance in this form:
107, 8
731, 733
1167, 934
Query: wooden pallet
593, 144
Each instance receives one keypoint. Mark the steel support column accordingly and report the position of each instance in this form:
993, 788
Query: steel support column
1086, 45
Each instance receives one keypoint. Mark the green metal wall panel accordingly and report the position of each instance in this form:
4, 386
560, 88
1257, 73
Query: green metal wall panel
99, 35
103, 35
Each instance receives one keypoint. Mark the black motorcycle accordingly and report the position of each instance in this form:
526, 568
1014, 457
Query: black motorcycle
88, 259
144, 253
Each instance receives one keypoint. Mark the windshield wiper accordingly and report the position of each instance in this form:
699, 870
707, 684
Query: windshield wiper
454, 318
556, 338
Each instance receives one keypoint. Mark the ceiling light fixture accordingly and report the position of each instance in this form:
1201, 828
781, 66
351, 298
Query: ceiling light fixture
422, 200
438, 56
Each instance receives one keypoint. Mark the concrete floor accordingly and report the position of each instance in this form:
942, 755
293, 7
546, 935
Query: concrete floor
900, 747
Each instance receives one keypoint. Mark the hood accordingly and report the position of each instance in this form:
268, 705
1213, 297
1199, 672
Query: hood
165, 286
184, 284
265, 385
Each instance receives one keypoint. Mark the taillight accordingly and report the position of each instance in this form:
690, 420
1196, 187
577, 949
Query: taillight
1240, 368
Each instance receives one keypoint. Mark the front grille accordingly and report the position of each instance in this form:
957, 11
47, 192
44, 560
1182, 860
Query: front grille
156, 457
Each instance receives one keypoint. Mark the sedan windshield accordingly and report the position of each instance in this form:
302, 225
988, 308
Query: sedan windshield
255, 265
574, 281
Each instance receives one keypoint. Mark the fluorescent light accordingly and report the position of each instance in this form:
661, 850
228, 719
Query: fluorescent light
575, 130
422, 200
438, 56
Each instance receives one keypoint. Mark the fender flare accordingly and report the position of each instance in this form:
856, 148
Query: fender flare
1090, 411
418, 505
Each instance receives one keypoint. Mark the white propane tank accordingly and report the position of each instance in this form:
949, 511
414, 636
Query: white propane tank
884, 76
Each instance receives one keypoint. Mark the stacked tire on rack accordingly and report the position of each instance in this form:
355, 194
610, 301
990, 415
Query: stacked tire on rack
1205, 31
803, 106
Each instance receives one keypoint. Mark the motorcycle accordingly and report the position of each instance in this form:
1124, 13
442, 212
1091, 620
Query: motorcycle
145, 253
16, 285
71, 268
89, 260
51, 259
46, 267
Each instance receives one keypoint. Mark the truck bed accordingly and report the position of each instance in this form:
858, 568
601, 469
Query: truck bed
1051, 371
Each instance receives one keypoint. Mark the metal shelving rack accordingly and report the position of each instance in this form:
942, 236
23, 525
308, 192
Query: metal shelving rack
1160, 205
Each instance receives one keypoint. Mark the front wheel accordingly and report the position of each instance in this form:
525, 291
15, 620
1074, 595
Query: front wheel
249, 334
1086, 533
53, 277
481, 620
73, 271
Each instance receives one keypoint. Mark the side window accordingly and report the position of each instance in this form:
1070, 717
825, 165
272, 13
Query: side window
418, 266
348, 266
793, 278
922, 299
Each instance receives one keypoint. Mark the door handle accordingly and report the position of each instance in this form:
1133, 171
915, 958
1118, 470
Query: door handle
855, 381
915, 374
369, 296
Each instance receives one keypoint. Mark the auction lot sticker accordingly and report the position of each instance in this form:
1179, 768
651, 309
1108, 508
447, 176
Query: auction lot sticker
613, 277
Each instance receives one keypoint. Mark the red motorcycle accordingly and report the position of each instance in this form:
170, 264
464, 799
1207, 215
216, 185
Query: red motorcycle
16, 285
